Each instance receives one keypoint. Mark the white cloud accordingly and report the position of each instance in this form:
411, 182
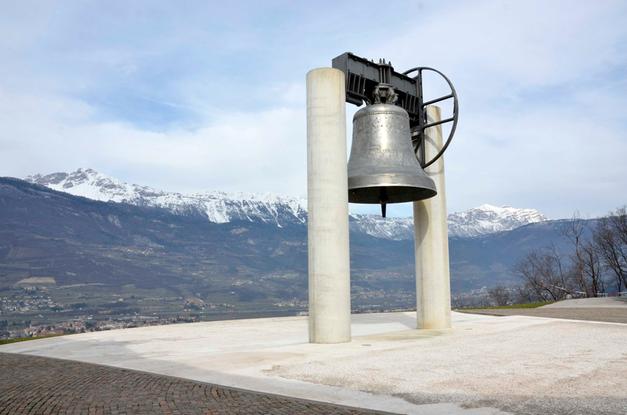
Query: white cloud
236, 151
542, 89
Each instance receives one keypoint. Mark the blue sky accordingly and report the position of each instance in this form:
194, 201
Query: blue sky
190, 95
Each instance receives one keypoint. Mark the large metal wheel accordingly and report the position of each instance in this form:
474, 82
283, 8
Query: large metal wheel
418, 132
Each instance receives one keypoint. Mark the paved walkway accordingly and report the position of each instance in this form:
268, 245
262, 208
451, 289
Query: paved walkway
594, 302
39, 385
483, 365
607, 314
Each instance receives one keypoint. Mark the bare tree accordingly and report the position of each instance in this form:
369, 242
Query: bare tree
524, 293
499, 295
544, 276
598, 255
610, 239
586, 267
619, 223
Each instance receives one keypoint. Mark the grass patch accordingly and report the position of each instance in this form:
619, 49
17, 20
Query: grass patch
25, 339
501, 307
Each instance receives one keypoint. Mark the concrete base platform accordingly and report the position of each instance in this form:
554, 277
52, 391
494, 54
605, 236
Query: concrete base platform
483, 365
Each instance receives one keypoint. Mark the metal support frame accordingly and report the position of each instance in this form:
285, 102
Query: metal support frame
363, 78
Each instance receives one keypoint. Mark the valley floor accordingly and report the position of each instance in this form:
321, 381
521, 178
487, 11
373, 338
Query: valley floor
483, 365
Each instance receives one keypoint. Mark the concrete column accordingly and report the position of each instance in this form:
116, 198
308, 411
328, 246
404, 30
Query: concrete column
327, 200
433, 281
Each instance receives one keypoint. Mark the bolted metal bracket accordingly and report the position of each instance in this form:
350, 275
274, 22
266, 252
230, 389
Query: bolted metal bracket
366, 81
363, 77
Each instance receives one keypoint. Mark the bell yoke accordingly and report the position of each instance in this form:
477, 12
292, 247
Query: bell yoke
386, 161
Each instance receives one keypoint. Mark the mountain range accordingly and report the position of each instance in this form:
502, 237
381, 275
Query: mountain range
222, 207
101, 247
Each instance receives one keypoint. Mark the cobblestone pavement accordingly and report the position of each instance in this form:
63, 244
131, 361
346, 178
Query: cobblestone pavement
38, 385
612, 315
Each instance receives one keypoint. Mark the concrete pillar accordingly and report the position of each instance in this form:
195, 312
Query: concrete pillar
433, 281
327, 201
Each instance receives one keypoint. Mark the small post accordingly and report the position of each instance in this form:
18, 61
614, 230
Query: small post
433, 282
327, 199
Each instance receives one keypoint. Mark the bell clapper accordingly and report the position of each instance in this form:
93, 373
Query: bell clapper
383, 199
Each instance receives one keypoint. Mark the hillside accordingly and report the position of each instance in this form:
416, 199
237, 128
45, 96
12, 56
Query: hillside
78, 240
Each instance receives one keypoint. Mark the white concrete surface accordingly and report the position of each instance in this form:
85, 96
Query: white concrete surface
600, 302
483, 365
327, 195
433, 280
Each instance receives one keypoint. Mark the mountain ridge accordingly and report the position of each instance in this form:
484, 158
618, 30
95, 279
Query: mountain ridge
223, 207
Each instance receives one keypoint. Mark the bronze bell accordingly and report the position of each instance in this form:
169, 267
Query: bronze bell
383, 167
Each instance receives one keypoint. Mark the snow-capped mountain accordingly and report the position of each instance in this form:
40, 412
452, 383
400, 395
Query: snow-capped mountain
487, 219
389, 228
219, 207
222, 207
478, 221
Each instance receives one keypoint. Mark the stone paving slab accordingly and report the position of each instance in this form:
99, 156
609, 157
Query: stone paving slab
39, 385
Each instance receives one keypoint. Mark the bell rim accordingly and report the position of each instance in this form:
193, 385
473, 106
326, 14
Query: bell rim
391, 180
396, 194
414, 187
